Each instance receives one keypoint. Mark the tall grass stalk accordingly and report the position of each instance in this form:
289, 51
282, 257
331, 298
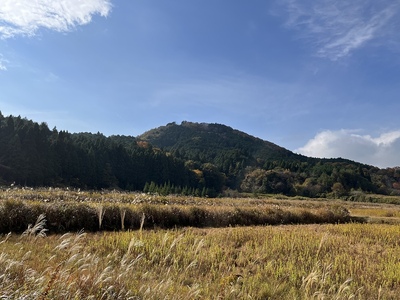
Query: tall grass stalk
38, 229
100, 214
318, 285
122, 214
141, 226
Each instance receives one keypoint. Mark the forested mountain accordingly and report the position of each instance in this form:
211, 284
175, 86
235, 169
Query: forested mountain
190, 158
250, 164
215, 143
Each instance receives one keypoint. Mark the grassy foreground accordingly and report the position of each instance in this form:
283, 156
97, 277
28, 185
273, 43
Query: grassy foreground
347, 261
121, 260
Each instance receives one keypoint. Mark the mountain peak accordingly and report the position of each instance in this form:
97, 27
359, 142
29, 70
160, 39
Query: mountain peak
213, 139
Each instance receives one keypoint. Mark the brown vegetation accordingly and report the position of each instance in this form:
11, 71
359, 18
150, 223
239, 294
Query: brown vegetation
345, 261
71, 211
328, 261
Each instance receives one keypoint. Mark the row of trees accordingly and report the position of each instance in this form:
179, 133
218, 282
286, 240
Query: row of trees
31, 154
342, 179
168, 188
201, 159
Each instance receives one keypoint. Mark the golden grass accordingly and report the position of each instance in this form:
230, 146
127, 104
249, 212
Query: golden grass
393, 212
111, 210
349, 261
342, 261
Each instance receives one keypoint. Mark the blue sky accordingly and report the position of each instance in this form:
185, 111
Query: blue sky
321, 78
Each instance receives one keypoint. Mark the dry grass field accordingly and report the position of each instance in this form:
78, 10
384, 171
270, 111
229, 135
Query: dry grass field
313, 261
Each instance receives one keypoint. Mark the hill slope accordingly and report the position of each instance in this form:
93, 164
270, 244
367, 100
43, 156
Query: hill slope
250, 164
204, 142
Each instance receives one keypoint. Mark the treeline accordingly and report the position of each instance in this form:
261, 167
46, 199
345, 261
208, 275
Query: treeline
190, 159
168, 188
33, 155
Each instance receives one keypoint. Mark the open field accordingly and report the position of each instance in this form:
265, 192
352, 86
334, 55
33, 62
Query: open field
326, 261
346, 261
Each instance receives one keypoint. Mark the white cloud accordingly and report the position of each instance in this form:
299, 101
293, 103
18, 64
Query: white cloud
382, 151
26, 17
337, 28
3, 63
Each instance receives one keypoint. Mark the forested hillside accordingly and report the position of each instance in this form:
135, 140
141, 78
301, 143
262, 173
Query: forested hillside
31, 154
190, 158
250, 164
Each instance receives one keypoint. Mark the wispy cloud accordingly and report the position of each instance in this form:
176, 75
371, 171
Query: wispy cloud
26, 17
3, 63
337, 28
381, 151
